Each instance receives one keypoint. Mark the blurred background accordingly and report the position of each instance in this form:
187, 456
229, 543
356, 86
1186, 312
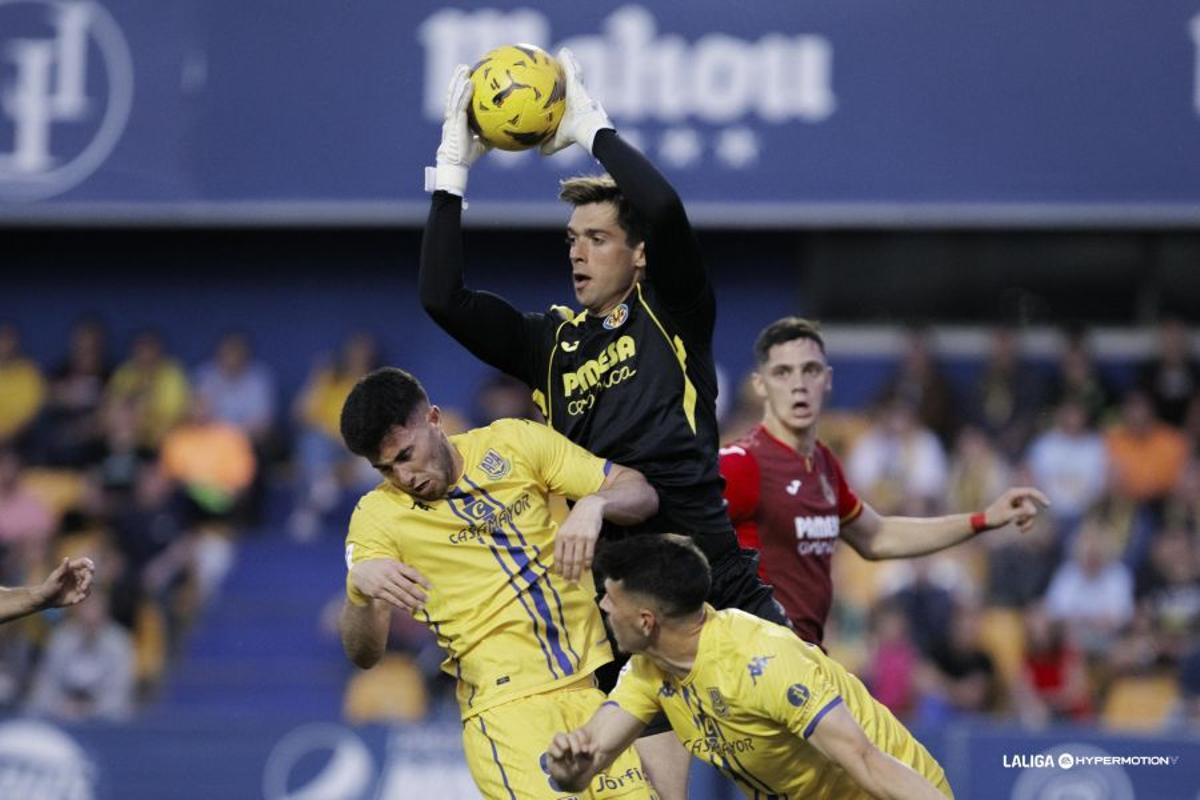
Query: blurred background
210, 218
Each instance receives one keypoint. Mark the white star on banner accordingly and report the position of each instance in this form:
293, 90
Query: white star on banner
737, 147
680, 147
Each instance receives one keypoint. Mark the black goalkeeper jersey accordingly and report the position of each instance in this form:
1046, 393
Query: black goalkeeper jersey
638, 386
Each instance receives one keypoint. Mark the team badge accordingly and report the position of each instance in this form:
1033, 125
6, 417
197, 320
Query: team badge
616, 318
718, 702
666, 690
494, 465
757, 666
797, 694
827, 490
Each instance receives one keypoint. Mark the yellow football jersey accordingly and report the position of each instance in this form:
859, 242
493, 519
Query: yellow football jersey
755, 693
510, 627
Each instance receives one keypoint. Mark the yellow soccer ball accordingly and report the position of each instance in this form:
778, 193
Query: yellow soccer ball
519, 98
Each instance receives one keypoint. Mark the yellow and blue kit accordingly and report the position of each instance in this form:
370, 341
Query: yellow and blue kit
512, 630
755, 693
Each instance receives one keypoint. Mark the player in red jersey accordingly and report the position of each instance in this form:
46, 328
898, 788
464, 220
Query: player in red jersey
789, 500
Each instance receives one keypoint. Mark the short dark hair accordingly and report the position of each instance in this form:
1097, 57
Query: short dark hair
380, 400
666, 567
785, 330
583, 190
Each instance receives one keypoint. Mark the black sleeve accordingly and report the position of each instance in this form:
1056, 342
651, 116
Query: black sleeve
482, 322
673, 260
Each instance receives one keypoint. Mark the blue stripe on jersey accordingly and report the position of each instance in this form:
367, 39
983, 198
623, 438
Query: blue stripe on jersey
828, 707
537, 555
496, 758
522, 561
511, 581
444, 643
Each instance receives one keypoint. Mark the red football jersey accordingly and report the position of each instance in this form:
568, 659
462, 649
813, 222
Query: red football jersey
790, 508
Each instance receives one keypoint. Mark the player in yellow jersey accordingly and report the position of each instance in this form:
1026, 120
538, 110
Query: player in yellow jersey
509, 594
773, 713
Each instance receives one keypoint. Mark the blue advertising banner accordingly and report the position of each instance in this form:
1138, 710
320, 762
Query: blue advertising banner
289, 760
764, 114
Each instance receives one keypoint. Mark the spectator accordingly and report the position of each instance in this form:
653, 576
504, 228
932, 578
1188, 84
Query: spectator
154, 385
1079, 379
502, 396
239, 390
24, 389
1020, 566
960, 678
898, 464
1172, 377
1092, 593
1070, 462
1008, 395
212, 462
323, 463
891, 666
1054, 684
978, 472
919, 383
87, 671
1168, 592
926, 598
1148, 456
74, 435
26, 524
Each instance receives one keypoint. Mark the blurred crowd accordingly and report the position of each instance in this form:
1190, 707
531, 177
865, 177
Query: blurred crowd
155, 469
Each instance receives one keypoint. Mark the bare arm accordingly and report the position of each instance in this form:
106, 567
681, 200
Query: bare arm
364, 631
68, 584
875, 537
625, 498
839, 738
575, 757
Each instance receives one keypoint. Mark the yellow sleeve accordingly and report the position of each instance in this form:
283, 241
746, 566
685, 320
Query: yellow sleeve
637, 689
795, 690
366, 539
564, 467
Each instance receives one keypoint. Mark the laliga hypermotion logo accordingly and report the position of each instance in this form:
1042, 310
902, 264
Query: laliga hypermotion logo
66, 88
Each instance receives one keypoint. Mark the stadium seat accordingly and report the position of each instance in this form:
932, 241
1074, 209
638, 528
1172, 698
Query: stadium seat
391, 691
1140, 703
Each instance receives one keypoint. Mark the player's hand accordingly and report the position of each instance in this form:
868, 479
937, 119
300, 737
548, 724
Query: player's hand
1020, 505
460, 147
583, 118
70, 583
392, 582
575, 542
569, 758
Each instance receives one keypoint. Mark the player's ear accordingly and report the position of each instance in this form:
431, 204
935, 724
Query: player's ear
758, 384
829, 379
434, 416
639, 255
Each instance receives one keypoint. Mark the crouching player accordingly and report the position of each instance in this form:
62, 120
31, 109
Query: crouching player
507, 594
771, 712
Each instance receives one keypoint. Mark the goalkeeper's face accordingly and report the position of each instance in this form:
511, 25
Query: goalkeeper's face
604, 267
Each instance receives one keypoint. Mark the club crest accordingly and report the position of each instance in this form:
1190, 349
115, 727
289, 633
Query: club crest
616, 318
494, 465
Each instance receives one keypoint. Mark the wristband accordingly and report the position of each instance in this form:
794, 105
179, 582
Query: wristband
979, 522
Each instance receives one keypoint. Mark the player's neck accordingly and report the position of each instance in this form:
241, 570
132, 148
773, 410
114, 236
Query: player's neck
676, 647
802, 441
607, 308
